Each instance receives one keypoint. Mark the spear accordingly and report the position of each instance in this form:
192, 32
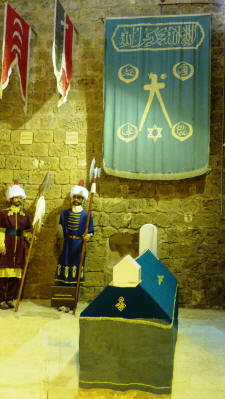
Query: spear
94, 173
39, 213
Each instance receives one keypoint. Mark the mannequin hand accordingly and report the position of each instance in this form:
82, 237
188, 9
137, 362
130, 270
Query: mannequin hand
27, 236
86, 237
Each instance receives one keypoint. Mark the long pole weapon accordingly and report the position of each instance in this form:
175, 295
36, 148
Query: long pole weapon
39, 212
94, 173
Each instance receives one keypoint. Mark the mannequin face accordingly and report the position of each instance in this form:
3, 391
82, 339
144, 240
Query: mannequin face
77, 200
17, 201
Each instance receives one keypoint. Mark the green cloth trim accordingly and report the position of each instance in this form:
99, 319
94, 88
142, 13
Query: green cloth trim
125, 385
155, 176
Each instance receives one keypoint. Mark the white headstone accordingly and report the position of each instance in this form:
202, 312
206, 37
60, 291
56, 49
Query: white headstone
148, 239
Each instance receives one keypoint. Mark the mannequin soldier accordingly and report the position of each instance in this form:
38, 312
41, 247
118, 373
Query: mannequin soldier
14, 222
71, 234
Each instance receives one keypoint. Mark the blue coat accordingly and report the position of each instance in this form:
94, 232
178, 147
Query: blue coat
73, 224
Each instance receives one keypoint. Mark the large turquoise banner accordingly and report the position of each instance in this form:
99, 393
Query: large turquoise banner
157, 97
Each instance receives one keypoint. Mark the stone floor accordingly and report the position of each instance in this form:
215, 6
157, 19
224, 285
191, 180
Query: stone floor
39, 355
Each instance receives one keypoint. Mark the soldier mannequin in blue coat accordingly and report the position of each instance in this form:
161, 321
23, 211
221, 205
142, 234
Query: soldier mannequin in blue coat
70, 236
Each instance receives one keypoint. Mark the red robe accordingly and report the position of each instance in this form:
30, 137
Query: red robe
15, 244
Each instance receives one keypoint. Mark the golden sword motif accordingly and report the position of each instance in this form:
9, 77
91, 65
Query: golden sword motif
154, 89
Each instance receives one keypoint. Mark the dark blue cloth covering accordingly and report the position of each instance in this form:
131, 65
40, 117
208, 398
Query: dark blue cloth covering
129, 333
138, 304
159, 283
73, 224
126, 355
156, 297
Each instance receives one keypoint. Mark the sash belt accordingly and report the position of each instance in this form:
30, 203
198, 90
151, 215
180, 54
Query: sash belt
75, 237
13, 232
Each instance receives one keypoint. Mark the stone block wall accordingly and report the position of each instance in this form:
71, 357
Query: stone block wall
191, 230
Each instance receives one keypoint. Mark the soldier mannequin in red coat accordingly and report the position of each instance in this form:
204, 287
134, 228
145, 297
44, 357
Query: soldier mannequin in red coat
14, 222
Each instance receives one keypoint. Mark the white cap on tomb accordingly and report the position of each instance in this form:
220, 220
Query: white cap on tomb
15, 191
126, 273
79, 190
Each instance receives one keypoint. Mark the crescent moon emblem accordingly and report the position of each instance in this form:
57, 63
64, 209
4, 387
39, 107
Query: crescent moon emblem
17, 21
16, 33
15, 47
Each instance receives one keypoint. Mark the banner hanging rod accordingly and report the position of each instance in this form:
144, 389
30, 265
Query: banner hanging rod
196, 3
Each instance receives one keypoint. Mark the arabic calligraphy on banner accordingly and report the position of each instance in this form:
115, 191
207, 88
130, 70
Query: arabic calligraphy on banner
157, 73
158, 36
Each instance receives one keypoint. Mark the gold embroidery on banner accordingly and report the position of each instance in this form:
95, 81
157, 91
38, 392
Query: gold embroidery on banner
59, 270
152, 136
155, 176
120, 305
154, 89
127, 132
161, 36
183, 70
160, 279
182, 131
128, 73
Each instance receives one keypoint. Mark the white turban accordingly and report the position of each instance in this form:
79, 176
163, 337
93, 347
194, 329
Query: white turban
15, 191
79, 190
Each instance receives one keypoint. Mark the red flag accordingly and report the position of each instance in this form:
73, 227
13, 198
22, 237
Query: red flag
67, 68
16, 43
62, 51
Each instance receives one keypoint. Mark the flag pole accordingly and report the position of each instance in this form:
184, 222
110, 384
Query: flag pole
82, 253
39, 212
96, 173
26, 267
75, 30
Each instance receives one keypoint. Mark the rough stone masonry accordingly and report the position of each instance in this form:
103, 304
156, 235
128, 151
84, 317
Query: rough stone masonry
191, 231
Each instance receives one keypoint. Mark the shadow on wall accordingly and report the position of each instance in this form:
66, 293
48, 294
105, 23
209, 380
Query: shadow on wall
112, 187
120, 245
3, 198
125, 243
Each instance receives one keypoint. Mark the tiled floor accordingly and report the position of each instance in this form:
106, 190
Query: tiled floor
39, 355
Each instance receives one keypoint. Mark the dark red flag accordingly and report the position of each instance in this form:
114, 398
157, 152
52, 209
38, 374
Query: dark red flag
16, 43
62, 51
